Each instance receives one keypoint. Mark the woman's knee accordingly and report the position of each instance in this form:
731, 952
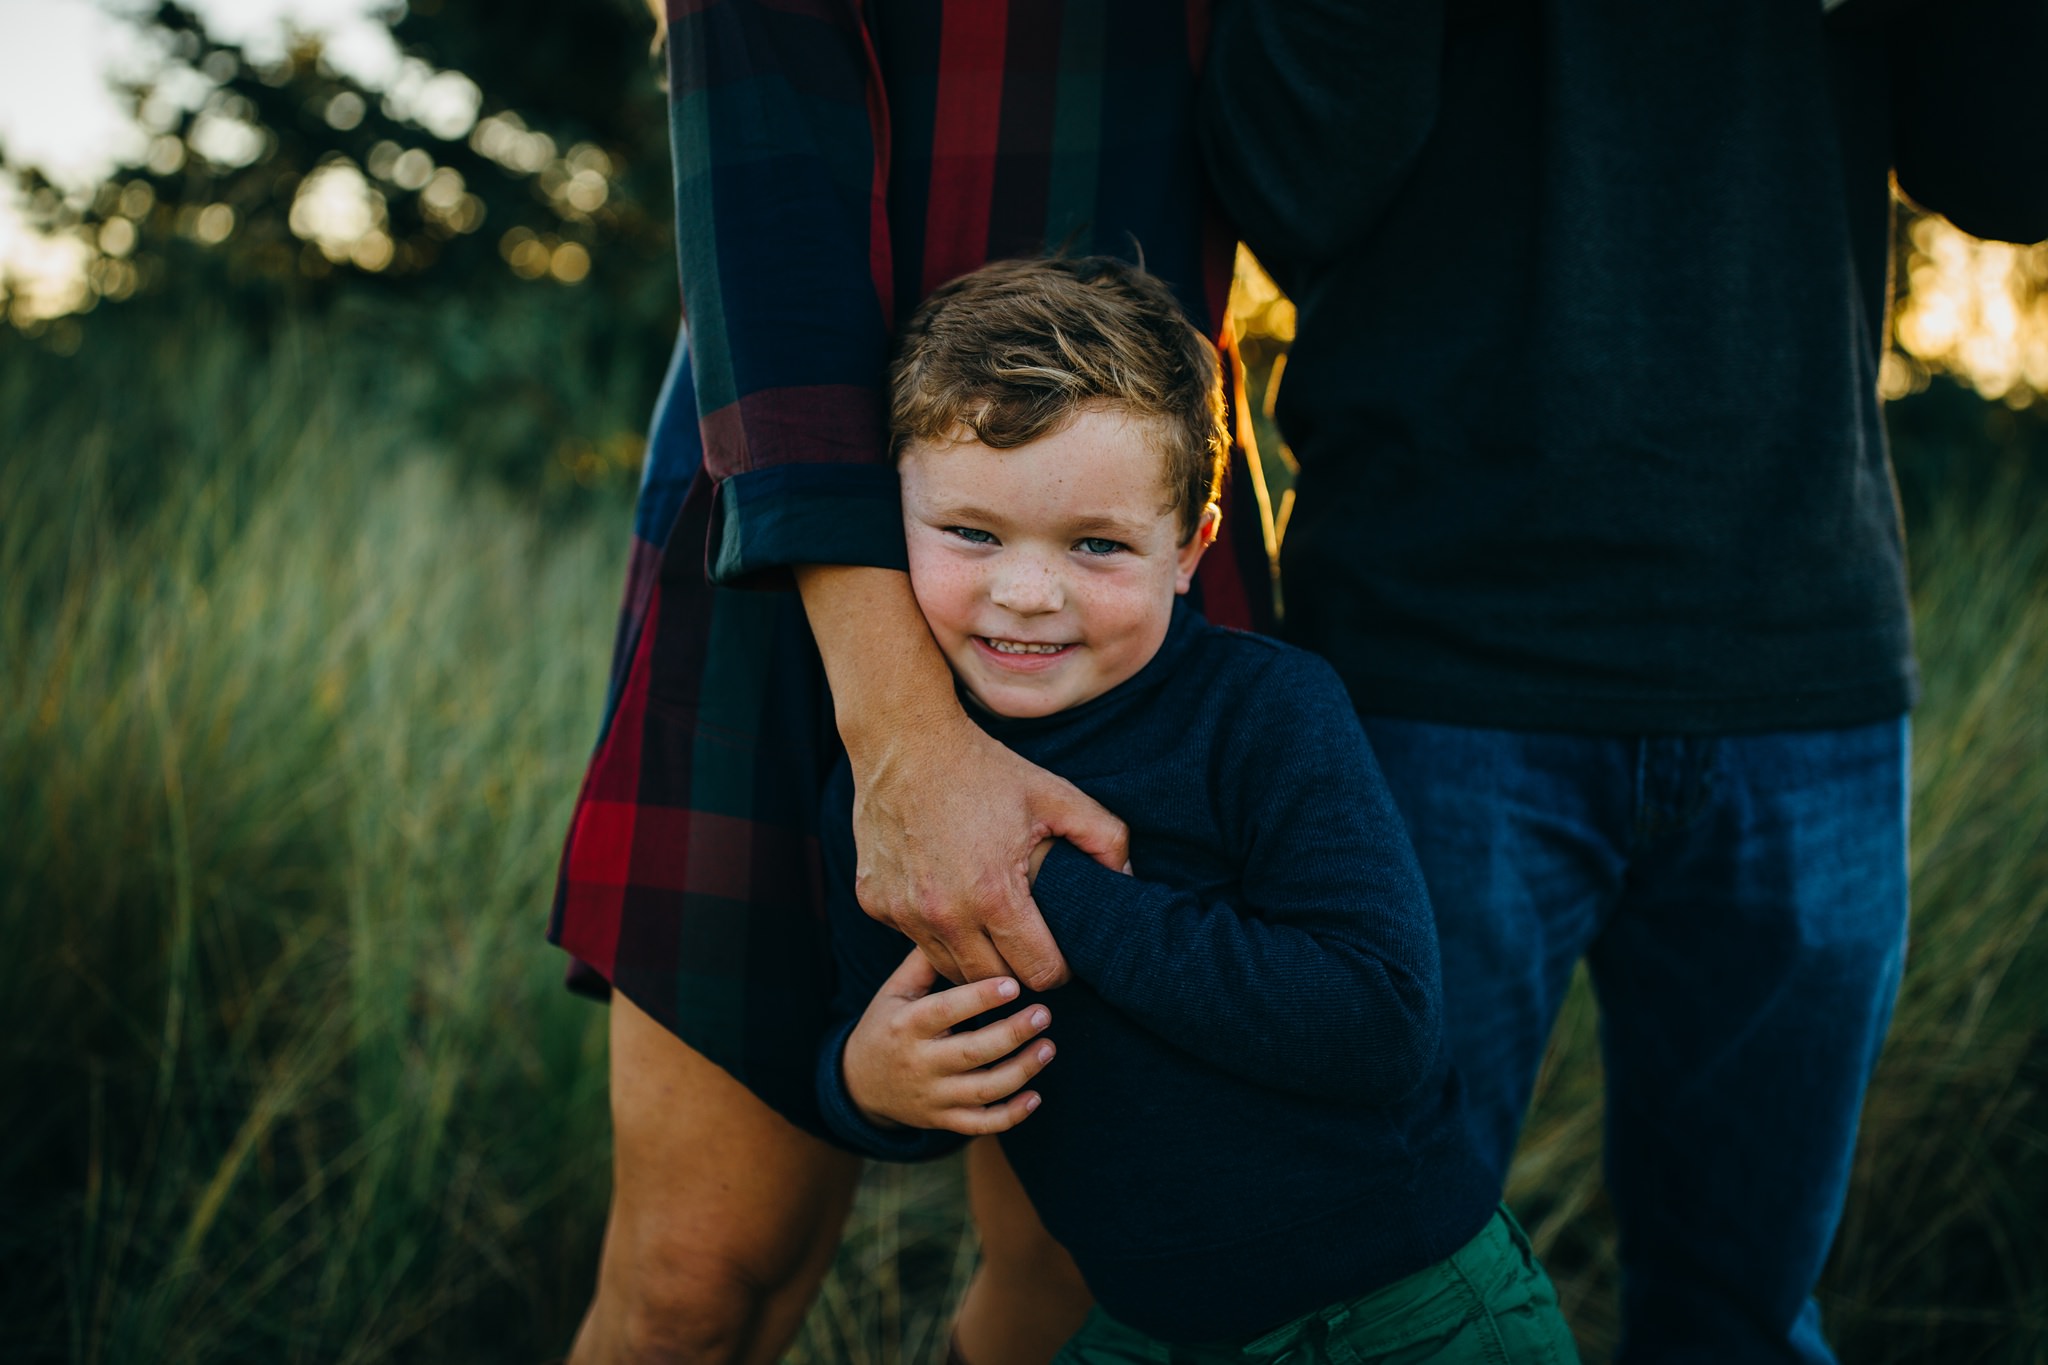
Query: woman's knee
724, 1215
688, 1307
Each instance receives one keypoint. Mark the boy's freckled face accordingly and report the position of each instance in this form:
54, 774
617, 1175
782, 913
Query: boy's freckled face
1047, 572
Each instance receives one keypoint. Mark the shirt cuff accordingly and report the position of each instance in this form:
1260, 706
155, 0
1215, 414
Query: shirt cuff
766, 520
851, 1127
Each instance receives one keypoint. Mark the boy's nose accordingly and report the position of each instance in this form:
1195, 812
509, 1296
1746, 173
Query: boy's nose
1026, 588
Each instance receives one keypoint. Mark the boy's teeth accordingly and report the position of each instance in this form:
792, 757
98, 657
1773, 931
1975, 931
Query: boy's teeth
1019, 647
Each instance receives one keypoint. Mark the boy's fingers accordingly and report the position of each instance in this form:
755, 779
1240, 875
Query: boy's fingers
942, 1010
991, 1042
994, 1118
995, 1083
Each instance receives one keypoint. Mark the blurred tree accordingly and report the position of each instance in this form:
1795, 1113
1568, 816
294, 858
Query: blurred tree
518, 140
503, 199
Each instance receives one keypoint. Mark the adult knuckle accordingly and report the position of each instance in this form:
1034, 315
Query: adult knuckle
937, 914
875, 896
1044, 975
989, 893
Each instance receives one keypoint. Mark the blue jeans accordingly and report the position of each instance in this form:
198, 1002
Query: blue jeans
1741, 903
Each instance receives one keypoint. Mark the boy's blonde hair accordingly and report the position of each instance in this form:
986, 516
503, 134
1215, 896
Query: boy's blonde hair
1011, 352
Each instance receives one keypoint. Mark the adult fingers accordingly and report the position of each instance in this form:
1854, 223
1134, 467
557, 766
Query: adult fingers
1025, 943
1071, 814
979, 1047
943, 824
941, 957
913, 978
964, 941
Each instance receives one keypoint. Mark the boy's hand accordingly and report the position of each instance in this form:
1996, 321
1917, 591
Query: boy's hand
905, 1064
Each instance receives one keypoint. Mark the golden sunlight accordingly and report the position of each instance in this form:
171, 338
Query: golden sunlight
1976, 310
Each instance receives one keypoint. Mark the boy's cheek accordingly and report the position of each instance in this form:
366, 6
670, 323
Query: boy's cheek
944, 594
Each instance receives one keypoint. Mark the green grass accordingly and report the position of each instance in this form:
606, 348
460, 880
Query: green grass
286, 752
292, 710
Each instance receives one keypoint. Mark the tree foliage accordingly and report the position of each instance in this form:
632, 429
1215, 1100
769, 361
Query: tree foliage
506, 124
497, 215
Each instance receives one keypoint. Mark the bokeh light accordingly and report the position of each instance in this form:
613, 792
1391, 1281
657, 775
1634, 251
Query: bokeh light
1973, 309
336, 209
569, 262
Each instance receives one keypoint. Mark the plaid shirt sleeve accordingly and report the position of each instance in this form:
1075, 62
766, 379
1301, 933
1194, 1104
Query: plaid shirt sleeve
833, 163
780, 136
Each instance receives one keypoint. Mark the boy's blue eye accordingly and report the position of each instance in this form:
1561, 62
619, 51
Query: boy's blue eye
1099, 545
972, 535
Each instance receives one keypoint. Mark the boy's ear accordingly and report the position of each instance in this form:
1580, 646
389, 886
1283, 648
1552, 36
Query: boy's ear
1191, 553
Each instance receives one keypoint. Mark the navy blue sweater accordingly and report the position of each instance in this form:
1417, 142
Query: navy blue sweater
1250, 1114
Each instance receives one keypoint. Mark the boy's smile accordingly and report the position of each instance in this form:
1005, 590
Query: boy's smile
1047, 572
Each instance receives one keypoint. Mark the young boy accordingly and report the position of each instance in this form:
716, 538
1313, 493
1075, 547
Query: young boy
1251, 1140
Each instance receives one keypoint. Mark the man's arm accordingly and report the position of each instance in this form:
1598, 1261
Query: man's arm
1319, 974
1969, 123
944, 816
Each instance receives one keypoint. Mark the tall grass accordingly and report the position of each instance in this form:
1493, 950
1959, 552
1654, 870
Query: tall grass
286, 750
291, 713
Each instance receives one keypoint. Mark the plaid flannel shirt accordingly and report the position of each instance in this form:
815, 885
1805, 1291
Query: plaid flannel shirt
834, 162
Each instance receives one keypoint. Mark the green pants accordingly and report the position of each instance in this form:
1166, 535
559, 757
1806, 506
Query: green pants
1488, 1302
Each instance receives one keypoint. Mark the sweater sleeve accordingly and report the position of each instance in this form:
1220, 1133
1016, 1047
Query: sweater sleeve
1318, 975
1970, 126
779, 138
1313, 112
864, 953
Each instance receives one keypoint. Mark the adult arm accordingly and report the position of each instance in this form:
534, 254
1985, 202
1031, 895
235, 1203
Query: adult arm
1313, 112
1318, 974
1970, 126
781, 218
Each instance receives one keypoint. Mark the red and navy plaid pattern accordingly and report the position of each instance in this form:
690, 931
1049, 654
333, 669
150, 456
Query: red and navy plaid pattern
833, 163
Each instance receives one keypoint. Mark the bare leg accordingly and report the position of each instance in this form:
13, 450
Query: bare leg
1027, 1298
724, 1215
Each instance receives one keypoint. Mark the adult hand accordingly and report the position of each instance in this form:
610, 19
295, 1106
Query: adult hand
950, 827
945, 818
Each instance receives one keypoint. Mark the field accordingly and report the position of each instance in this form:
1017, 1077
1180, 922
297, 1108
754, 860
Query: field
293, 702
